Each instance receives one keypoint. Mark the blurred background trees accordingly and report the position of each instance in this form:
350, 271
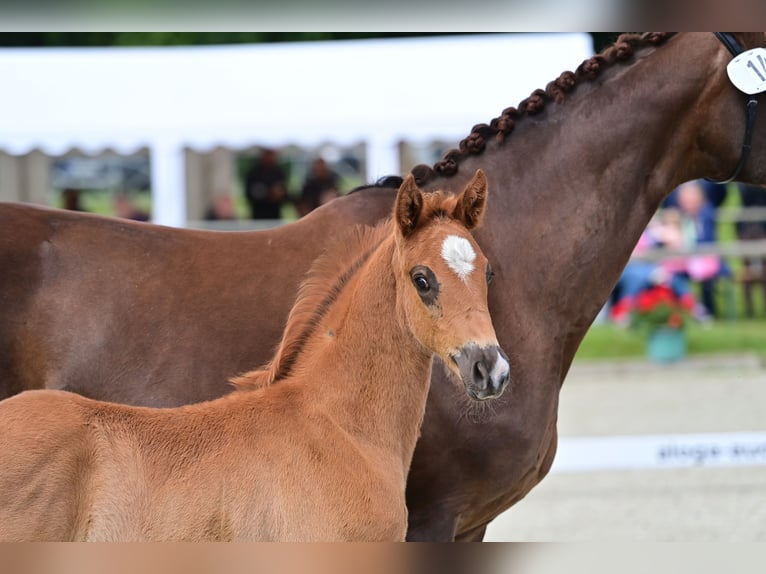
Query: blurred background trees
50, 39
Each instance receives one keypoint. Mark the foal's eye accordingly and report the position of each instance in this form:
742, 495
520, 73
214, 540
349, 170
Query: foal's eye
423, 279
425, 283
490, 274
421, 282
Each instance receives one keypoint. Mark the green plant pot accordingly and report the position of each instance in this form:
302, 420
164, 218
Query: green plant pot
666, 345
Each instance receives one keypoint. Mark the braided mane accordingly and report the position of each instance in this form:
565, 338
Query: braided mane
621, 51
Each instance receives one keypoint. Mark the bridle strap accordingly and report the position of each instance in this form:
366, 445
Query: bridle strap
752, 104
730, 42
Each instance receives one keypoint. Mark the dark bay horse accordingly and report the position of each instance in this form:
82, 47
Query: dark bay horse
117, 310
314, 448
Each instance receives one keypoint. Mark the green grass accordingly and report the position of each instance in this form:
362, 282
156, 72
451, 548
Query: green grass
609, 342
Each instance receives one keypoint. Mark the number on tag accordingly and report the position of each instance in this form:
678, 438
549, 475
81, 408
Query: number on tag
748, 71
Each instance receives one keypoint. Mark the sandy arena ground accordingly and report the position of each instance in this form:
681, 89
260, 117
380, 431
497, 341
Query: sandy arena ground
690, 503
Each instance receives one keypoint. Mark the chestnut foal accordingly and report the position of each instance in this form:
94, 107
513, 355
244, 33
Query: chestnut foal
317, 445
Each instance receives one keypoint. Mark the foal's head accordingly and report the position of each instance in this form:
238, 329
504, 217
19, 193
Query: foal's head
442, 279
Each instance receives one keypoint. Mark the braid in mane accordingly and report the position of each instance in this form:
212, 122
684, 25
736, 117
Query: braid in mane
556, 91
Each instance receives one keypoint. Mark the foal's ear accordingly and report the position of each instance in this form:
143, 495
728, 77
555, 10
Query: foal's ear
471, 203
409, 204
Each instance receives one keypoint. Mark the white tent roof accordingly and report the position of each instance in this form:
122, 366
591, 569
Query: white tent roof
376, 91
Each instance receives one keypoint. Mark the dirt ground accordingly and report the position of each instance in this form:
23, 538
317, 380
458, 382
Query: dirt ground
692, 502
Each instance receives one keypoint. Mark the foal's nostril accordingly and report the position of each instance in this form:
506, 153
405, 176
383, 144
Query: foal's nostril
480, 374
484, 370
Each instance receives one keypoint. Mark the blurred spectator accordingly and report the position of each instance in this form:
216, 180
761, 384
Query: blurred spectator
321, 186
124, 207
697, 201
697, 210
222, 208
699, 227
265, 187
71, 199
752, 196
639, 275
754, 268
714, 192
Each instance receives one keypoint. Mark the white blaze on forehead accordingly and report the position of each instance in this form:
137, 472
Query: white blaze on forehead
459, 255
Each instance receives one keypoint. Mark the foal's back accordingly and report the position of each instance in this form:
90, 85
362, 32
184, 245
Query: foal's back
80, 469
44, 467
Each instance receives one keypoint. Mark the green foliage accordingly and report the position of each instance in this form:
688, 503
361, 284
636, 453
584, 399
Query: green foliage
49, 39
602, 40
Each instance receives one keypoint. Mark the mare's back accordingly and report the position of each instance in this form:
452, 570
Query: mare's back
143, 314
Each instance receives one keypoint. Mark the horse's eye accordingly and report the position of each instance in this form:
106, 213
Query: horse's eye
490, 274
426, 284
421, 283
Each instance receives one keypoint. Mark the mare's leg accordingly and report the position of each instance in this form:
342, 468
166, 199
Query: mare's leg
475, 535
438, 526
443, 531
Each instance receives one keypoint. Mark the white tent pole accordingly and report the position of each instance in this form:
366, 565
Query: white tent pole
168, 184
382, 157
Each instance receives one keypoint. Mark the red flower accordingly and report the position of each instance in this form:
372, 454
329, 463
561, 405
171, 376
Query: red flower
659, 306
646, 301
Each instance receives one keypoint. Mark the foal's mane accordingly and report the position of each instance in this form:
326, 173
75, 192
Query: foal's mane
556, 91
324, 283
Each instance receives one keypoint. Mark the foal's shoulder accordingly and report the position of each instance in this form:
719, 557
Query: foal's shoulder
63, 406
44, 417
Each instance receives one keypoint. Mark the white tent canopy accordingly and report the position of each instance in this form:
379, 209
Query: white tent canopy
375, 91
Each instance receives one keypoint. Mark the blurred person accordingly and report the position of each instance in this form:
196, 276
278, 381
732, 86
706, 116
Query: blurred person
754, 268
699, 227
697, 210
266, 187
124, 208
221, 209
321, 186
639, 274
751, 196
71, 199
714, 192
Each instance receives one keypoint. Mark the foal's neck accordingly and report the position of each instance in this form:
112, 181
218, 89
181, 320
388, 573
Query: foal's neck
364, 367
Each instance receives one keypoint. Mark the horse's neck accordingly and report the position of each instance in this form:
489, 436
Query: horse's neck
364, 367
575, 187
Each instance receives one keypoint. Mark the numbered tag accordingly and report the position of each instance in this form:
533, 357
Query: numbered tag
748, 71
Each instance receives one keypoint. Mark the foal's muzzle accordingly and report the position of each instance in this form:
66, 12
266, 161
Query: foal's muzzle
485, 371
